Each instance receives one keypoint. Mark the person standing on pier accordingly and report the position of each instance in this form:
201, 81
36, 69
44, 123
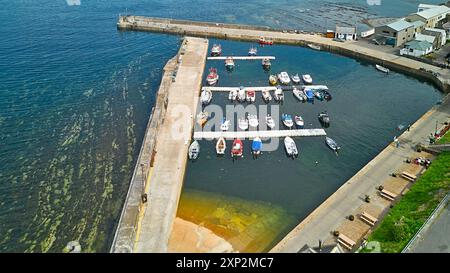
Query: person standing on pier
396, 142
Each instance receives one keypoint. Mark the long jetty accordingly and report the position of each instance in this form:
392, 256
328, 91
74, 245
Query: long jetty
262, 88
261, 134
159, 173
439, 76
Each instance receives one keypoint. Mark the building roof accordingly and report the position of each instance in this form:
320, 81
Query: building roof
433, 12
400, 25
346, 30
418, 45
424, 37
418, 24
426, 6
436, 30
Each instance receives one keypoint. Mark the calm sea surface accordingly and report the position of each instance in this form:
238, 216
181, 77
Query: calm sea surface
75, 96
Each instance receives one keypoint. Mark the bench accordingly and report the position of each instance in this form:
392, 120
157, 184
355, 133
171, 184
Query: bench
409, 176
388, 195
369, 219
346, 242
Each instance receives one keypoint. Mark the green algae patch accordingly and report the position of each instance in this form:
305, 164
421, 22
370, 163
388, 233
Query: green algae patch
249, 226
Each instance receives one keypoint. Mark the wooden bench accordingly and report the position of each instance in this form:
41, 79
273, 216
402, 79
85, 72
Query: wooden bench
409, 177
346, 242
369, 219
388, 195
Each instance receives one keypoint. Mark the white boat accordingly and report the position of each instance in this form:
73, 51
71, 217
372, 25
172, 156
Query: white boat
202, 118
291, 148
307, 79
241, 94
229, 63
279, 96
252, 51
253, 121
221, 146
299, 121
216, 50
270, 122
283, 77
206, 96
287, 120
212, 77
232, 96
250, 96
316, 47
225, 125
382, 68
266, 96
266, 64
332, 144
243, 124
194, 150
295, 79
299, 94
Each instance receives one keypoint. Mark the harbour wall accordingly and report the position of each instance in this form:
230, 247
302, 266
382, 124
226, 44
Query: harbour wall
438, 76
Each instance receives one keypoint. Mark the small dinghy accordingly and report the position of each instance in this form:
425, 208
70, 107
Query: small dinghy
299, 122
250, 96
287, 120
216, 50
307, 79
324, 118
273, 80
284, 79
266, 96
318, 94
279, 96
243, 124
229, 63
332, 144
315, 47
252, 51
256, 146
232, 96
221, 146
309, 95
299, 94
266, 64
382, 69
295, 79
202, 118
241, 94
206, 96
212, 77
225, 125
194, 150
253, 121
326, 95
237, 149
270, 122
291, 148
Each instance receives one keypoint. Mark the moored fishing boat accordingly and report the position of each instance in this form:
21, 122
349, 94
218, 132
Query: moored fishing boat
212, 77
250, 96
241, 94
309, 95
324, 118
229, 63
216, 50
332, 144
273, 80
252, 51
295, 79
256, 146
291, 147
206, 96
221, 146
382, 68
270, 122
225, 125
326, 95
238, 148
283, 77
243, 124
287, 120
266, 96
253, 121
266, 64
265, 41
299, 94
315, 47
299, 122
318, 94
202, 118
279, 96
194, 150
232, 96
307, 79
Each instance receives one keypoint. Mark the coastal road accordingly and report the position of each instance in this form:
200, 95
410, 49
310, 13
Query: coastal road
331, 214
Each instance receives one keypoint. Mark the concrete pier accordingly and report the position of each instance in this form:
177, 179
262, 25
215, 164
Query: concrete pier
147, 227
439, 76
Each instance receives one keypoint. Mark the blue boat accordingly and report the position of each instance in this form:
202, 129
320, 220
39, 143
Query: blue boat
287, 120
309, 95
256, 146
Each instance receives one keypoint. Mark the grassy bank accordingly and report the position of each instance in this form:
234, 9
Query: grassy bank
445, 139
407, 216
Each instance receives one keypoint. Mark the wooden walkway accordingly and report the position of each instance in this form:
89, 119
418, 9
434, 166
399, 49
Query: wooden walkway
264, 88
261, 134
243, 58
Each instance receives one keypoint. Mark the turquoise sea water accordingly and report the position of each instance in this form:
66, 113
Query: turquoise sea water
75, 96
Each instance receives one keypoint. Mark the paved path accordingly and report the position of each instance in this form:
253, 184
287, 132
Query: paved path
330, 214
168, 170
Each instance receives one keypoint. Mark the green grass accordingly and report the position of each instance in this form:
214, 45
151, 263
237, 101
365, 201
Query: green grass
445, 138
409, 214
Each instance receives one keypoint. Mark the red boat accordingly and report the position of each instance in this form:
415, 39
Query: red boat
237, 149
213, 77
216, 50
264, 41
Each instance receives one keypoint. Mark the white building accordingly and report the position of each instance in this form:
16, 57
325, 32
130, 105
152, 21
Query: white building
426, 38
432, 17
417, 48
423, 7
442, 34
345, 33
